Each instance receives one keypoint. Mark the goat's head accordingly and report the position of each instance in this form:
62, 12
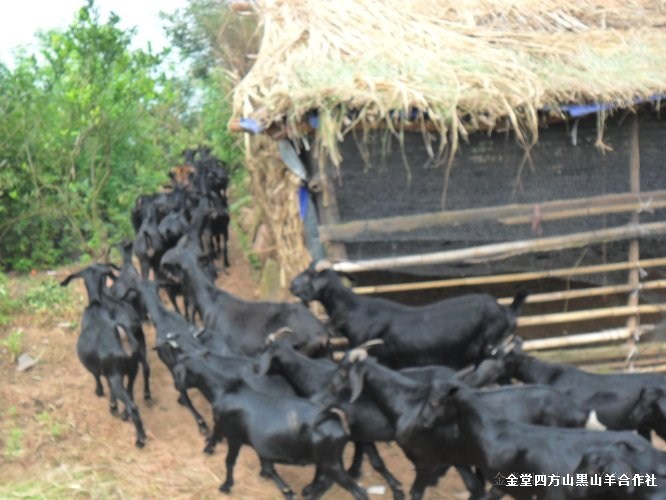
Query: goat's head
269, 359
309, 284
94, 277
169, 349
437, 407
650, 409
177, 261
349, 378
613, 459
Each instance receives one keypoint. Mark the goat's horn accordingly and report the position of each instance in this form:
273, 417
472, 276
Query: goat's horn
343, 419
509, 342
358, 354
369, 343
278, 334
338, 341
323, 265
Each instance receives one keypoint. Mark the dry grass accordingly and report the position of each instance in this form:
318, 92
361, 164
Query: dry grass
466, 64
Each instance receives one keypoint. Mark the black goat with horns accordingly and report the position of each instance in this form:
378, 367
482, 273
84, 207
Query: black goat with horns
454, 332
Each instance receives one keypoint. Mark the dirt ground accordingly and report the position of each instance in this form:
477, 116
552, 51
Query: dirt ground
58, 440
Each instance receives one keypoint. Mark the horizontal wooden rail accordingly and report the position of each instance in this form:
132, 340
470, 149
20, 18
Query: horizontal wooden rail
500, 251
510, 278
587, 292
506, 214
609, 335
604, 353
589, 314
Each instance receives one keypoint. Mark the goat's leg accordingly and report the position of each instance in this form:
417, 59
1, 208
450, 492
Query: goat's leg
225, 250
215, 437
357, 461
319, 485
113, 400
336, 471
185, 401
99, 389
268, 471
474, 481
425, 476
145, 368
131, 378
116, 386
379, 466
173, 298
232, 454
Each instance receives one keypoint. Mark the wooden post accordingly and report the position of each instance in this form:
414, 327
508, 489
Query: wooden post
327, 203
634, 250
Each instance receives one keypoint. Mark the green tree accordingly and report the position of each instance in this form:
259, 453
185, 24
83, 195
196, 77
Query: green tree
82, 135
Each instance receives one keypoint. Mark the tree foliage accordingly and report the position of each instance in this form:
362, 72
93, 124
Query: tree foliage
88, 124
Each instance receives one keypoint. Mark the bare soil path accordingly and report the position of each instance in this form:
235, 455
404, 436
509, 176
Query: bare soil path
58, 440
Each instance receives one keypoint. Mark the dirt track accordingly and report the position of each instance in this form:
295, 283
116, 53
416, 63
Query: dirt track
59, 440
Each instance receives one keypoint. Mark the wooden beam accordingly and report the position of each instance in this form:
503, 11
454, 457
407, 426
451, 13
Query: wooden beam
610, 335
598, 354
590, 314
506, 214
596, 291
499, 251
508, 278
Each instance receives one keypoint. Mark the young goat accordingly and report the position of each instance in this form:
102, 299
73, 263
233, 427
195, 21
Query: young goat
108, 349
310, 378
455, 332
501, 447
623, 401
244, 325
432, 449
280, 429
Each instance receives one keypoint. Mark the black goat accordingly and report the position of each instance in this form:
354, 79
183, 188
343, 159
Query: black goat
244, 325
501, 447
125, 284
310, 378
643, 479
455, 332
622, 401
280, 429
94, 277
171, 326
432, 449
108, 349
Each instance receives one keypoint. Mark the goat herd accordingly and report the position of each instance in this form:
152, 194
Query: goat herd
266, 371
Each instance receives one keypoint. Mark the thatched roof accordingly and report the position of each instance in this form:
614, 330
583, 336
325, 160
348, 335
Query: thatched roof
466, 64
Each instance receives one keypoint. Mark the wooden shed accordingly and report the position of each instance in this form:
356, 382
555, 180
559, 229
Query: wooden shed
438, 148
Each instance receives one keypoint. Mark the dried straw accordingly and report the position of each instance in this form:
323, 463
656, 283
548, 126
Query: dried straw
466, 64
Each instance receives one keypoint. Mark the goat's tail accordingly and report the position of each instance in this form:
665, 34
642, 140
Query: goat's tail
518, 300
126, 339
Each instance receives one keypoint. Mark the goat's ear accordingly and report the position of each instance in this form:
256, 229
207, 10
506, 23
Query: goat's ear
356, 377
264, 363
661, 405
69, 278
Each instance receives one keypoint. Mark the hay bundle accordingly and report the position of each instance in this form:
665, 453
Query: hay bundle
276, 194
466, 64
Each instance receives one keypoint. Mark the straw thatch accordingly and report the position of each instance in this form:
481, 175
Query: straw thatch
466, 64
